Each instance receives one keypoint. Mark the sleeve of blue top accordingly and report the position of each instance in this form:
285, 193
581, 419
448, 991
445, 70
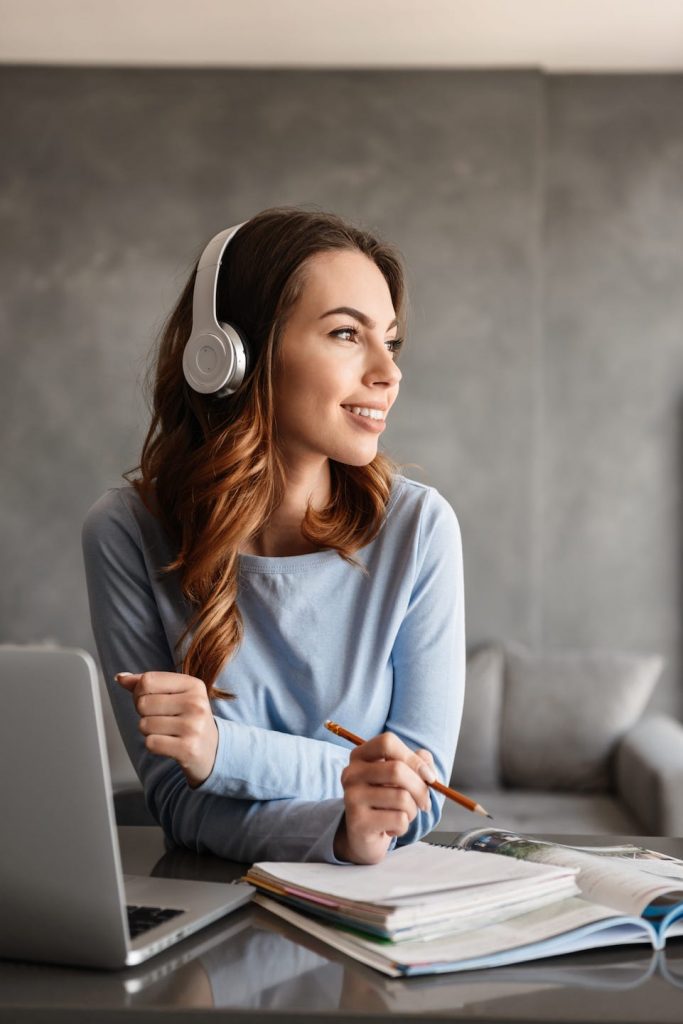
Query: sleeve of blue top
429, 653
299, 825
257, 763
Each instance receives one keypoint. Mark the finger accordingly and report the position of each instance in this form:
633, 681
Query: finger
422, 762
388, 798
426, 755
371, 821
386, 746
395, 824
149, 704
163, 682
162, 725
400, 776
386, 774
166, 746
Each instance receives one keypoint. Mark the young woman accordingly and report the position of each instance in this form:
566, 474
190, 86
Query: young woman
268, 569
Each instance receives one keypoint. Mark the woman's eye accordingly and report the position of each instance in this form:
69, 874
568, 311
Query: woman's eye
353, 331
393, 345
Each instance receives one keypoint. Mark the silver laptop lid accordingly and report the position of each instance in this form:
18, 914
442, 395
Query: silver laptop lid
61, 885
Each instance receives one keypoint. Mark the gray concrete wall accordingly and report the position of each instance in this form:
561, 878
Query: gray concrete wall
541, 221
611, 443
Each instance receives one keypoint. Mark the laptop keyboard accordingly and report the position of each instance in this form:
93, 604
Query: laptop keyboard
141, 919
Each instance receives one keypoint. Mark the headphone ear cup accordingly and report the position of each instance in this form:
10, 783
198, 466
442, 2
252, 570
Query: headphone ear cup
241, 362
215, 362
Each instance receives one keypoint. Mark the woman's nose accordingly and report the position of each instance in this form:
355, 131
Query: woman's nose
383, 368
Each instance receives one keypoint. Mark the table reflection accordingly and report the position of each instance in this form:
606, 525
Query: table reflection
265, 963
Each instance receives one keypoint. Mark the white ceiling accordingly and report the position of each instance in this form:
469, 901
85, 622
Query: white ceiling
555, 35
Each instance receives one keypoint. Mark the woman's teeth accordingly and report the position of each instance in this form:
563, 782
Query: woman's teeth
373, 414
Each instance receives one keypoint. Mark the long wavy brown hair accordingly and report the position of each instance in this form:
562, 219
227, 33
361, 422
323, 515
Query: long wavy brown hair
211, 469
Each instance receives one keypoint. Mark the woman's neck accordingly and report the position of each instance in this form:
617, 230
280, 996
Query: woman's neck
281, 536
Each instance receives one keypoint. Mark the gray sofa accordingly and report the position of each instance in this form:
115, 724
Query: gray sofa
562, 742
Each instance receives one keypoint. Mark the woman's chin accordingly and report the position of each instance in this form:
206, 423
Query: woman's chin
355, 457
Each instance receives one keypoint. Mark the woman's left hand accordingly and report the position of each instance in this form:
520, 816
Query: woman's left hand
175, 719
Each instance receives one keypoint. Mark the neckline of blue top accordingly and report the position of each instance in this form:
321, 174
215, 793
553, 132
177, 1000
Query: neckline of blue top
286, 563
302, 563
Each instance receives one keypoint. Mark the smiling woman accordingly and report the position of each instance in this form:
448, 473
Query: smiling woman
268, 568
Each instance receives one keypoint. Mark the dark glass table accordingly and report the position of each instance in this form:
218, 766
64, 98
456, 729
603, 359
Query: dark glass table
252, 966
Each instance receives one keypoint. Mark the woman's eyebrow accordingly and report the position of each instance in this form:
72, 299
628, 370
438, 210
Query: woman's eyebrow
356, 313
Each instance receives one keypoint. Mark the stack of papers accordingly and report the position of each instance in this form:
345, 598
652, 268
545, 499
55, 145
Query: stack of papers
417, 892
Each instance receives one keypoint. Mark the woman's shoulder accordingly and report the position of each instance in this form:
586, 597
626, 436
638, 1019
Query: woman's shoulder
116, 503
423, 503
422, 525
119, 511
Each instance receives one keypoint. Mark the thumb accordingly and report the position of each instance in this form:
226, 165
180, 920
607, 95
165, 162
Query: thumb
128, 680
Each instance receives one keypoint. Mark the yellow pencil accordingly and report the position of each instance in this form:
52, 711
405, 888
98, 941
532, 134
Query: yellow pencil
452, 794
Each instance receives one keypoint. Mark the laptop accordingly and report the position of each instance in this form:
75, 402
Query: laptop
63, 894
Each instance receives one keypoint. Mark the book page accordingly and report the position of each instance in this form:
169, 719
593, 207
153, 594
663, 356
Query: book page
411, 870
614, 878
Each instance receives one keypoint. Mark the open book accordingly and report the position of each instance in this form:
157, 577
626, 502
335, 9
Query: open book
431, 909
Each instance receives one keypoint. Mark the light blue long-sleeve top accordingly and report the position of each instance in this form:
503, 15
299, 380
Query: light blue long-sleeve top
321, 641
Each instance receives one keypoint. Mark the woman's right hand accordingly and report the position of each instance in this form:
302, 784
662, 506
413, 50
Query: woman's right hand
384, 786
176, 719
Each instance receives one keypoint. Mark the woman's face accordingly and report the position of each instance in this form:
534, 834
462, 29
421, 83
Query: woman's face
331, 361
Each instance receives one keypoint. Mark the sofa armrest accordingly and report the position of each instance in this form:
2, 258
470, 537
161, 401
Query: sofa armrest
649, 773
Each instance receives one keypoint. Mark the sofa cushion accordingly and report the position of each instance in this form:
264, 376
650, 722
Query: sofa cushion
563, 714
535, 813
477, 757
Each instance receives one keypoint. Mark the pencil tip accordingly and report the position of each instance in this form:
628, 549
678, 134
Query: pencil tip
490, 816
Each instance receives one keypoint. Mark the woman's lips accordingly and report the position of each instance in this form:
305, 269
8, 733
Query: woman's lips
374, 426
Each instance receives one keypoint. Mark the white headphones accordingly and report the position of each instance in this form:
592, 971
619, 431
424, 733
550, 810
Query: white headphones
216, 356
